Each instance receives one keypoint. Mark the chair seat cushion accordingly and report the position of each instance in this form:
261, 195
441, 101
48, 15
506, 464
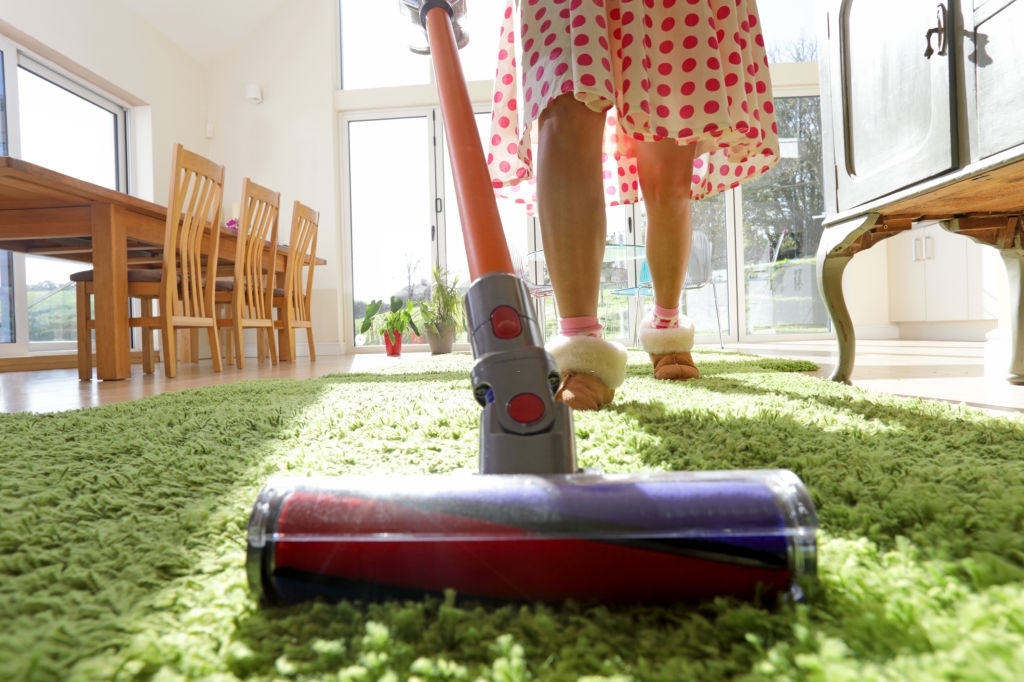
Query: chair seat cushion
134, 275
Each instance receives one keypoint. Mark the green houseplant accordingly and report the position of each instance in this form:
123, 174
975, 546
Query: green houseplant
391, 324
441, 314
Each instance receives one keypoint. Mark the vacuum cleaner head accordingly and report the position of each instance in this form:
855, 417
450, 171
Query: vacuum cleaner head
642, 538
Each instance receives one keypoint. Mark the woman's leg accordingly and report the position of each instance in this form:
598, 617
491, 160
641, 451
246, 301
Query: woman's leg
665, 171
570, 202
570, 205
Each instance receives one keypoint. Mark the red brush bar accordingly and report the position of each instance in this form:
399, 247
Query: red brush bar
617, 539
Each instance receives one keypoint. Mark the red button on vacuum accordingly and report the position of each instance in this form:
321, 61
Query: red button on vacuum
505, 322
526, 408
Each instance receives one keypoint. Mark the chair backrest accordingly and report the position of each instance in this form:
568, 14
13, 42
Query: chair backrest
298, 285
193, 214
254, 262
698, 272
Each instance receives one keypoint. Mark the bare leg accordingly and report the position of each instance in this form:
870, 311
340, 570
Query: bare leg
570, 203
665, 176
665, 170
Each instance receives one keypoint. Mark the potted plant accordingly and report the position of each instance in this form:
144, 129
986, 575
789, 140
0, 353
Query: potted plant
390, 324
441, 314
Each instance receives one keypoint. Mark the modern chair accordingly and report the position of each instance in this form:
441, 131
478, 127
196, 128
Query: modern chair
183, 286
643, 287
539, 292
292, 299
698, 275
245, 299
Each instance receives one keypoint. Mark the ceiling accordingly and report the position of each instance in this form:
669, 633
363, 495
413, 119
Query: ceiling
205, 29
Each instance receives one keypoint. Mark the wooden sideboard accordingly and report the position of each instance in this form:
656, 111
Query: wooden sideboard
916, 129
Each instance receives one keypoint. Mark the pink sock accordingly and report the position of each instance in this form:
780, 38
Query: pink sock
584, 325
665, 318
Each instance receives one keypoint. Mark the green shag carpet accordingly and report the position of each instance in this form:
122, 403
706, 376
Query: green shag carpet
122, 535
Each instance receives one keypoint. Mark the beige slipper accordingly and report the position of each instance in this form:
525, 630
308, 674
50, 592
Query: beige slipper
591, 368
670, 349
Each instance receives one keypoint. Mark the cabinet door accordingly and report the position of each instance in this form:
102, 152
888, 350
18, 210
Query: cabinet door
908, 288
930, 278
946, 275
998, 61
892, 106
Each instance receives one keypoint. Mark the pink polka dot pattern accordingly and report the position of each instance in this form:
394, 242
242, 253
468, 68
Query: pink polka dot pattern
694, 71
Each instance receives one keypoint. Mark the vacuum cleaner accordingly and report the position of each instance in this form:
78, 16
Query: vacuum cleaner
530, 525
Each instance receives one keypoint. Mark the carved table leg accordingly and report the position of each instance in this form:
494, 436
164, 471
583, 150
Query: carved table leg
1014, 261
834, 252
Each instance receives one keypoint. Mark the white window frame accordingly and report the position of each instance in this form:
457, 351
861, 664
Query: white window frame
15, 57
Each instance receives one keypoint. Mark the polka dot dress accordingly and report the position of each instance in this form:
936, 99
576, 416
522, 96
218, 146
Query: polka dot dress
694, 71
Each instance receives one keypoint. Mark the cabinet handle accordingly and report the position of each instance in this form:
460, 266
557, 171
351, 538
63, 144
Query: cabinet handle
929, 248
918, 249
939, 31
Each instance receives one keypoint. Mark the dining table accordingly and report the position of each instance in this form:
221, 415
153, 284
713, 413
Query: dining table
47, 213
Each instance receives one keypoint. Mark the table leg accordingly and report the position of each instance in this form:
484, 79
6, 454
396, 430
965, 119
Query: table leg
1014, 261
833, 255
110, 274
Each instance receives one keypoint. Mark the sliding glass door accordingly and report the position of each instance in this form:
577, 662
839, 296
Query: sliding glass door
390, 188
404, 211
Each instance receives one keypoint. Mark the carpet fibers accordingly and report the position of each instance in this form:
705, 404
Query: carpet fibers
122, 535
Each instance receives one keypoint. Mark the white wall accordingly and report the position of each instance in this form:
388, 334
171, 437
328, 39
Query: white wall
288, 142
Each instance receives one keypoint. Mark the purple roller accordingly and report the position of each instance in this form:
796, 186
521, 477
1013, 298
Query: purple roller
640, 538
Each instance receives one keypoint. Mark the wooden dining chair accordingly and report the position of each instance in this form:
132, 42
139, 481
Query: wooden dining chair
292, 299
183, 286
245, 299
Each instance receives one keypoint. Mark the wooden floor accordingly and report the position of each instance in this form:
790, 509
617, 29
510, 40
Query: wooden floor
956, 372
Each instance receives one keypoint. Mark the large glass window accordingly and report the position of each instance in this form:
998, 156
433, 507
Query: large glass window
63, 131
781, 227
764, 235
788, 29
6, 261
63, 125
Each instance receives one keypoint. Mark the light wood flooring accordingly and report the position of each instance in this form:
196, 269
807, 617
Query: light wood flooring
950, 371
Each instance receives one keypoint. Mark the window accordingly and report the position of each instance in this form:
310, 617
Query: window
61, 124
6, 260
789, 32
404, 212
764, 234
781, 228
